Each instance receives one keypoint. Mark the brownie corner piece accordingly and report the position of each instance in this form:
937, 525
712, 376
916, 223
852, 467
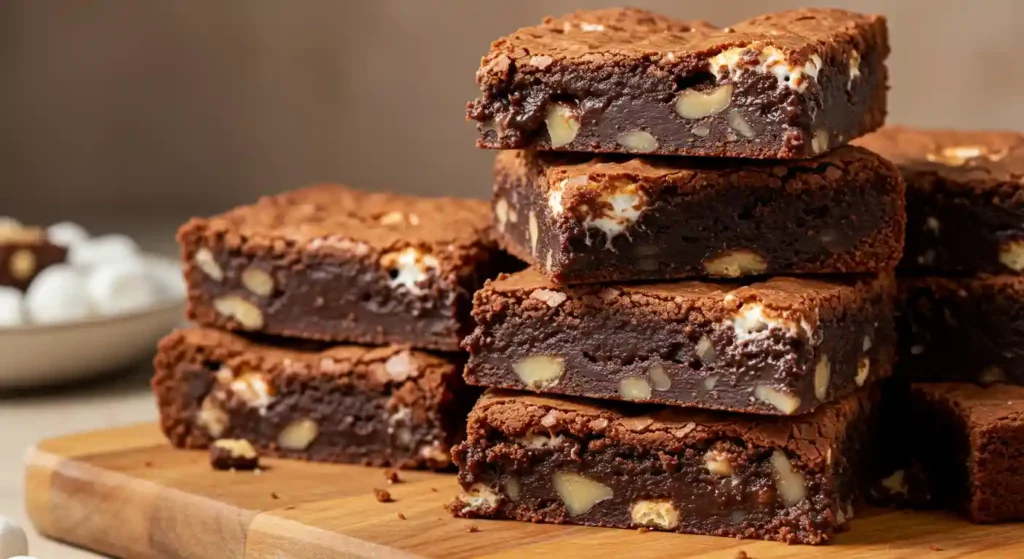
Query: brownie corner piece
780, 346
380, 406
583, 218
785, 85
335, 264
969, 441
964, 192
563, 460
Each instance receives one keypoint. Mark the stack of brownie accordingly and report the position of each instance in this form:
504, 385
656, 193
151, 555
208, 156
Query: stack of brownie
696, 345
277, 286
961, 323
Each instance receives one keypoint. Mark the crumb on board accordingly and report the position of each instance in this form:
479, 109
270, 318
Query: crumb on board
473, 528
434, 489
382, 495
392, 476
742, 555
401, 516
642, 530
934, 547
274, 496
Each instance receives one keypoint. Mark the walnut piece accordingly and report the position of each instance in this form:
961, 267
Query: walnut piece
212, 418
400, 366
718, 463
740, 125
786, 403
540, 371
254, 390
660, 380
819, 142
534, 232
822, 376
706, 351
579, 493
236, 454
656, 513
244, 312
480, 497
563, 124
693, 104
789, 482
22, 264
863, 370
501, 213
512, 488
735, 263
1011, 254
638, 141
298, 435
258, 282
634, 388
205, 261
549, 297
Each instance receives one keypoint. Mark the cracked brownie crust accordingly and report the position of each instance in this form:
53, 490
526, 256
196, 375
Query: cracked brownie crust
335, 264
787, 85
564, 460
780, 346
581, 218
965, 197
373, 406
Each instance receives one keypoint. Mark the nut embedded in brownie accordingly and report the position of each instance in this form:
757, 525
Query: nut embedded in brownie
24, 252
779, 346
334, 264
964, 197
564, 460
581, 218
788, 85
384, 406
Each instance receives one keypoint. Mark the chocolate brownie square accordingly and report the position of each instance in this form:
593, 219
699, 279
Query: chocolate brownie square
779, 346
383, 406
24, 252
961, 328
335, 264
569, 461
969, 441
965, 197
581, 218
787, 85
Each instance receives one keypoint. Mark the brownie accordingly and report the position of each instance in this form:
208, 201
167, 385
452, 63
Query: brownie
562, 460
965, 197
582, 218
787, 85
778, 346
335, 264
383, 406
969, 441
961, 328
233, 454
24, 252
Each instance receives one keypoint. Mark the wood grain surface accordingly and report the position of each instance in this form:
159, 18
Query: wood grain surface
126, 492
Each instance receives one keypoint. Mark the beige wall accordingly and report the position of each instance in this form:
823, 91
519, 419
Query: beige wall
144, 109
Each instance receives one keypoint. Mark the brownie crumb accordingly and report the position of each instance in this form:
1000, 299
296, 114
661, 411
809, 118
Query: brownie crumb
934, 547
472, 529
433, 489
642, 530
274, 496
401, 516
234, 454
742, 555
148, 464
382, 495
392, 476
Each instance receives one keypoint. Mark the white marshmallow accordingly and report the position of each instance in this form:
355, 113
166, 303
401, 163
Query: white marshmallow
167, 279
120, 287
9, 222
58, 294
66, 233
12, 307
103, 249
12, 539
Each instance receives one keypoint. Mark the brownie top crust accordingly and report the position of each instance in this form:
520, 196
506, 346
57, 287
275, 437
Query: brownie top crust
969, 161
813, 436
791, 44
979, 405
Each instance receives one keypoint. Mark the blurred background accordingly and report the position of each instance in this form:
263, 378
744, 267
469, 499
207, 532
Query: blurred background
132, 116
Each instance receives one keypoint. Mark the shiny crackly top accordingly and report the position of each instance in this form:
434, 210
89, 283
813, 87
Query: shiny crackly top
982, 405
974, 160
620, 33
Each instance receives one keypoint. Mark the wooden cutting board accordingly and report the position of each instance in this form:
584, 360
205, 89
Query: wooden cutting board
126, 492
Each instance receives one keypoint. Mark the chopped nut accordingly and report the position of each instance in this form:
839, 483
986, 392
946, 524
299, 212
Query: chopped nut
866, 344
253, 389
244, 312
991, 375
392, 218
634, 388
480, 497
579, 493
863, 370
400, 366
563, 124
697, 104
534, 232
298, 435
205, 261
822, 376
740, 125
718, 463
660, 380
736, 263
258, 282
548, 296
958, 155
1011, 254
238, 454
659, 513
473, 528
638, 141
701, 130
540, 371
537, 440
400, 515
854, 68
931, 224
789, 482
819, 142
22, 264
501, 213
382, 495
706, 351
512, 488
786, 403
710, 382
392, 477
212, 418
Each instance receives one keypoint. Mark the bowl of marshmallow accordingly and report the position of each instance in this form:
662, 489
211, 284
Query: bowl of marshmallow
74, 305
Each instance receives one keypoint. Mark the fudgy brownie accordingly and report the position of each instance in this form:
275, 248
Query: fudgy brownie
787, 85
965, 197
780, 346
581, 218
791, 479
969, 441
334, 264
375, 406
24, 252
961, 329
